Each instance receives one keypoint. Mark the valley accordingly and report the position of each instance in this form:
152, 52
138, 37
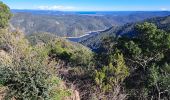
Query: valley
87, 34
75, 24
94, 40
111, 50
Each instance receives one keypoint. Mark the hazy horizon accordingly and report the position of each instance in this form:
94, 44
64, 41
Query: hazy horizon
89, 5
95, 10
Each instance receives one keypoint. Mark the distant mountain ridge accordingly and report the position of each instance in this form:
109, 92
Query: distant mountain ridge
94, 41
115, 13
74, 24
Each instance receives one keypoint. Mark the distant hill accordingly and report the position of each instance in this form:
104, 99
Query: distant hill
74, 23
93, 41
61, 25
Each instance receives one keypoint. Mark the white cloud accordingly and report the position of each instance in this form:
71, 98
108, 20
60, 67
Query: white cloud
164, 9
56, 7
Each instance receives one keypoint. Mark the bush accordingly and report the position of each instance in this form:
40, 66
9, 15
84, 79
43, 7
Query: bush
72, 53
109, 78
26, 71
5, 15
26, 80
145, 54
31, 78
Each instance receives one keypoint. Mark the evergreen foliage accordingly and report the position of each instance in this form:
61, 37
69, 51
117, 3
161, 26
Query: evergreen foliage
135, 67
5, 15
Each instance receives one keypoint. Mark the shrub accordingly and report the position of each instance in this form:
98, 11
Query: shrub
5, 15
26, 71
109, 78
72, 53
32, 78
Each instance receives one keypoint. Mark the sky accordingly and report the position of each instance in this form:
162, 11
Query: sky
90, 5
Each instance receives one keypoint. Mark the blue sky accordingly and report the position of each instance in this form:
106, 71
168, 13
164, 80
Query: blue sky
90, 5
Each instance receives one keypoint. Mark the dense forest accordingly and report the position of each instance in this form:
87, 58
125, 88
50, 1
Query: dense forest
46, 67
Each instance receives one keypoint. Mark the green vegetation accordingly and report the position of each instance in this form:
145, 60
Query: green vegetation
146, 55
128, 67
109, 78
5, 15
72, 53
141, 65
94, 41
40, 38
25, 71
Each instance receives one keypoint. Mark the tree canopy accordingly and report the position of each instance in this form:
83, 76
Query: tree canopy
5, 15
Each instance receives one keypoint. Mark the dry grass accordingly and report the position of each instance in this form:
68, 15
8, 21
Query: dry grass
2, 92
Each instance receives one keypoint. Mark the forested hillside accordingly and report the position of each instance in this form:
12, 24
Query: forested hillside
75, 24
94, 41
45, 67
